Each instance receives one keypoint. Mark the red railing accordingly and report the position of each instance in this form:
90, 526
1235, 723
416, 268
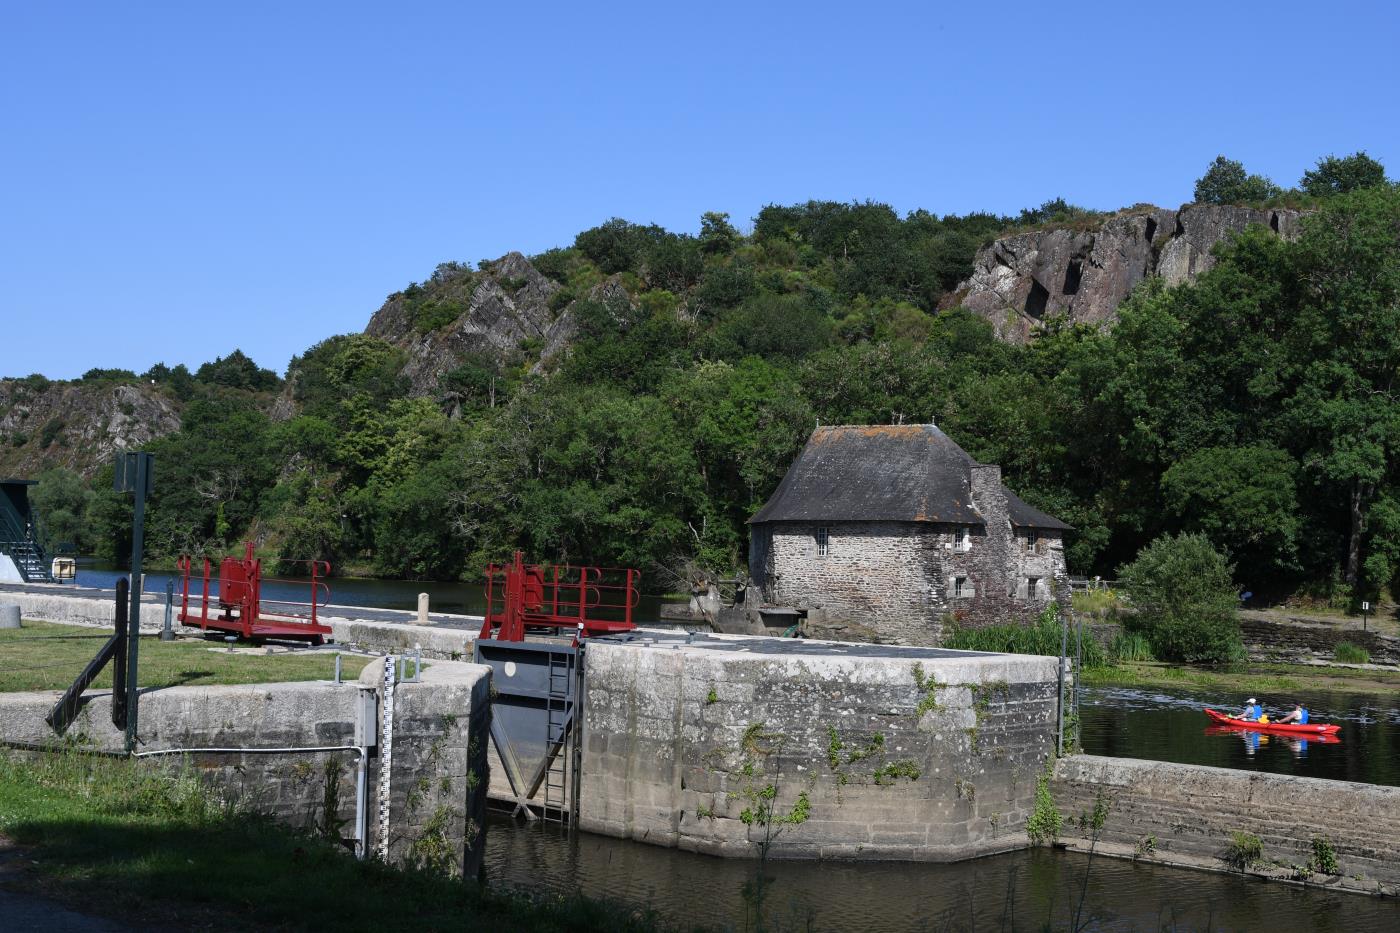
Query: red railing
562, 598
241, 607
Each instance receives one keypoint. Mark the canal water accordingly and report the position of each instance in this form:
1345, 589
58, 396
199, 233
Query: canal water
453, 597
1166, 724
1019, 891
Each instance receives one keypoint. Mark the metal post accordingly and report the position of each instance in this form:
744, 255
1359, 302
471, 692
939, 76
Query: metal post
168, 633
138, 527
1060, 707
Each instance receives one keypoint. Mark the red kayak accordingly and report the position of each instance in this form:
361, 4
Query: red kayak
1280, 728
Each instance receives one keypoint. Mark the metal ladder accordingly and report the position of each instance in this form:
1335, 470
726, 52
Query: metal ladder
559, 709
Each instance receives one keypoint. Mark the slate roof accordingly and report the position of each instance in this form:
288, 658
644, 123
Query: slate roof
902, 473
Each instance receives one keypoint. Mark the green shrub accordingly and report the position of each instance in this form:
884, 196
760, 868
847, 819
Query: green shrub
1244, 850
1044, 636
1185, 600
1324, 857
1347, 653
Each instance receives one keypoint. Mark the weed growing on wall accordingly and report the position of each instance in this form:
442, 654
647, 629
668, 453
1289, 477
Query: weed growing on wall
1324, 857
1244, 850
1045, 820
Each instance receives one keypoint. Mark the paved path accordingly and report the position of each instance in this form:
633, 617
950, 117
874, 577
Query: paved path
21, 913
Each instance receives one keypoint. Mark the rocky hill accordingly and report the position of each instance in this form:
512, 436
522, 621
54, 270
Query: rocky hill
1019, 281
77, 425
458, 313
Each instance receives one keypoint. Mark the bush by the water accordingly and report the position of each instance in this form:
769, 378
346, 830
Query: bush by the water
1347, 653
1185, 599
1044, 637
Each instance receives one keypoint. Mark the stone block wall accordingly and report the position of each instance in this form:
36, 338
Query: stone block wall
848, 752
1287, 641
1190, 811
441, 726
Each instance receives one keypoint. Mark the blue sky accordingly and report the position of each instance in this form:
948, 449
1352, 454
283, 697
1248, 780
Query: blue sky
183, 179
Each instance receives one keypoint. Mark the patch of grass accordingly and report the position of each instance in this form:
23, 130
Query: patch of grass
1045, 820
1045, 637
1347, 653
133, 837
45, 656
1101, 603
1130, 646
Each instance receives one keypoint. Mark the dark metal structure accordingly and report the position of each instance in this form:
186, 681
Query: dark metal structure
240, 606
20, 532
537, 621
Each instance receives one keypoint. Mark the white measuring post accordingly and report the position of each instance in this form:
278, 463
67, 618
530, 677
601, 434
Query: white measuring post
386, 756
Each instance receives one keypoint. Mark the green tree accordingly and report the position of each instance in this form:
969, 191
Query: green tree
61, 499
237, 371
1184, 599
1243, 499
1340, 175
1226, 182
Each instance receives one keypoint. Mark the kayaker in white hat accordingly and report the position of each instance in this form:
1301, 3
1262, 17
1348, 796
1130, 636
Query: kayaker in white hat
1251, 710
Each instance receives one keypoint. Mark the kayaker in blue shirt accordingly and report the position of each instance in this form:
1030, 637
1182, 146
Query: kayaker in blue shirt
1251, 712
1299, 715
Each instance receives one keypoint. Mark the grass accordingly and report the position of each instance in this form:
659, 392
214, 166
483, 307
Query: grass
1045, 637
151, 844
1256, 677
1101, 603
45, 656
1347, 653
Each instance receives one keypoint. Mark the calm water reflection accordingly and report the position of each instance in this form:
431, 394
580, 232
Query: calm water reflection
452, 597
1167, 725
1019, 891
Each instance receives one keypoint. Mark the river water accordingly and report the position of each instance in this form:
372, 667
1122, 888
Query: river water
1018, 891
1166, 724
451, 597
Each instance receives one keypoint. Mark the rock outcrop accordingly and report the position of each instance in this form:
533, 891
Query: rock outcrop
503, 307
77, 425
1019, 281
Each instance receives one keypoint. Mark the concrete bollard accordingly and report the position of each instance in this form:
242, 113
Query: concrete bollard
9, 615
422, 608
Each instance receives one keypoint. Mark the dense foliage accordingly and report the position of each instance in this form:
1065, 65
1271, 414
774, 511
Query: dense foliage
1256, 408
1185, 600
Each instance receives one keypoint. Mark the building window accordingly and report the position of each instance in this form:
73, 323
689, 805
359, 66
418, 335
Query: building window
1032, 587
961, 589
1031, 542
823, 541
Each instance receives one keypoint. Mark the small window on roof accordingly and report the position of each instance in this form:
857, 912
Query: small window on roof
823, 541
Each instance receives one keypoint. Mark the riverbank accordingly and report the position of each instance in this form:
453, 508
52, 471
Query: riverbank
1248, 677
152, 847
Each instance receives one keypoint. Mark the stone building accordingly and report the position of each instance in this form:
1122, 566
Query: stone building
889, 533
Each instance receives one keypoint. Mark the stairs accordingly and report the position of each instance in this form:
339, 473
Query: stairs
19, 541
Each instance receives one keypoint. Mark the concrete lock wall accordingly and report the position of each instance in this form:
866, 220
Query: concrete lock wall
864, 754
439, 764
1186, 814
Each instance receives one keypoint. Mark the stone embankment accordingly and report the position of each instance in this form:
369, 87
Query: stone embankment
725, 744
1187, 815
301, 764
1273, 640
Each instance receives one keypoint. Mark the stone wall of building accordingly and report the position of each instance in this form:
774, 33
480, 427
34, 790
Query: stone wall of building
1187, 814
870, 751
883, 575
904, 581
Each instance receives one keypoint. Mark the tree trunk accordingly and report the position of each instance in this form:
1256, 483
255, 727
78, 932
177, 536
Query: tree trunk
1358, 496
